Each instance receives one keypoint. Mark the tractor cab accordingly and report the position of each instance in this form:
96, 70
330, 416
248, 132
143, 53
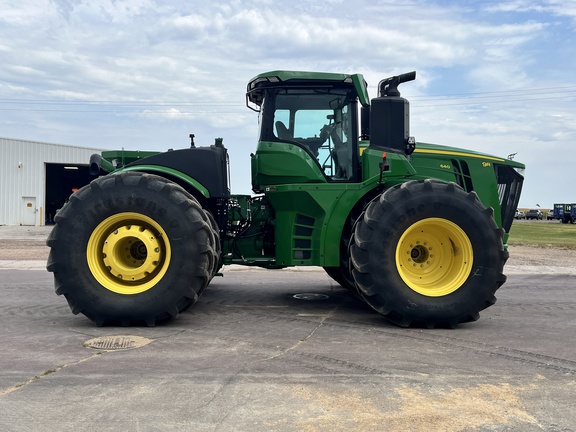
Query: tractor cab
309, 127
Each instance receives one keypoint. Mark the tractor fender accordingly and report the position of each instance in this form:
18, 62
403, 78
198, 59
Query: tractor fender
190, 184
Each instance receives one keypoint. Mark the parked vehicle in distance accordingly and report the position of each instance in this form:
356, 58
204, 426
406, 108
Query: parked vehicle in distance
550, 214
566, 213
534, 214
519, 214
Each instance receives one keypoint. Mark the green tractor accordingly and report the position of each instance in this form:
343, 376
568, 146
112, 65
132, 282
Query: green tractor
418, 231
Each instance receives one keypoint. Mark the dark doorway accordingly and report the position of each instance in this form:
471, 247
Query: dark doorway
61, 181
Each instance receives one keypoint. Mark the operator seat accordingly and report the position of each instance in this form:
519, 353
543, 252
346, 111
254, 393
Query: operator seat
282, 131
342, 156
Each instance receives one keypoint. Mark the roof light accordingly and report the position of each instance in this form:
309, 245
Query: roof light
272, 79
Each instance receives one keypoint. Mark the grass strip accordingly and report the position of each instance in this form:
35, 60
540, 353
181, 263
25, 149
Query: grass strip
543, 234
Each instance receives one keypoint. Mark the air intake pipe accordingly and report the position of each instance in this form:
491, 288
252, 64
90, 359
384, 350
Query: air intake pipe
390, 116
389, 86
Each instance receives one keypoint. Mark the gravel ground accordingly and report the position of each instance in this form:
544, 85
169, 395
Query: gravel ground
23, 243
29, 243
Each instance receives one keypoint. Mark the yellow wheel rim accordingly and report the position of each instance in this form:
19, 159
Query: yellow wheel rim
434, 257
128, 253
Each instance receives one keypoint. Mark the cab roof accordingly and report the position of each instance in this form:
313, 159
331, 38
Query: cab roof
279, 77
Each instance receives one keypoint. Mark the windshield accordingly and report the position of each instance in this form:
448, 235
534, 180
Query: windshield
318, 120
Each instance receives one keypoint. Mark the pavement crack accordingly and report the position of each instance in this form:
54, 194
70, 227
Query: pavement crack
44, 374
304, 339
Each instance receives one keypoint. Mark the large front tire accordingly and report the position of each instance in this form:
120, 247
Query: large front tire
131, 249
427, 253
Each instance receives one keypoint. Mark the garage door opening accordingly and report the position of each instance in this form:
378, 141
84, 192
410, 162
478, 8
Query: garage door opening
62, 180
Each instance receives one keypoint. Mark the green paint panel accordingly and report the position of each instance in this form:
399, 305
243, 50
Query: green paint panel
280, 163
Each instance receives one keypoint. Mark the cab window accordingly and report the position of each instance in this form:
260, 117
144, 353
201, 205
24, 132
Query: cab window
318, 121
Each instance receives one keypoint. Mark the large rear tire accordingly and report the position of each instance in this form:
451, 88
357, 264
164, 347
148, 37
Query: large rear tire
131, 249
427, 253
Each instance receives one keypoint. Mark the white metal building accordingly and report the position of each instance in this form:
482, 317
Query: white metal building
37, 178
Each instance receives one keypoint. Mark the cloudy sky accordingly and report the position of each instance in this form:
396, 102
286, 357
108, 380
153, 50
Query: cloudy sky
493, 76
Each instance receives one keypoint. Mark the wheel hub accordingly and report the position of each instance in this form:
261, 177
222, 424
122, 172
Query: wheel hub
419, 253
131, 252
